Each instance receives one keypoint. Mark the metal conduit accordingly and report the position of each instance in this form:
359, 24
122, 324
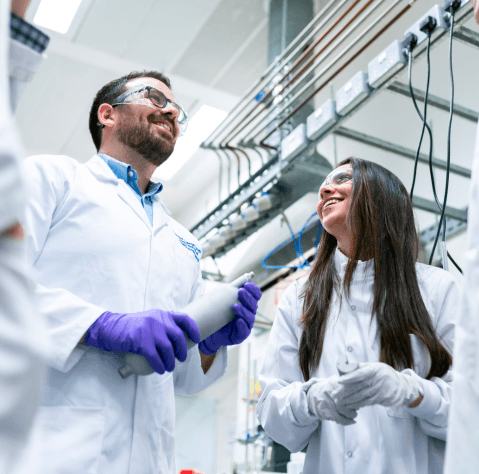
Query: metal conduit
349, 61
265, 78
220, 177
251, 119
238, 161
247, 158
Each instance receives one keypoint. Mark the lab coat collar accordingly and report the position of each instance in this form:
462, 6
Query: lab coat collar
101, 170
364, 270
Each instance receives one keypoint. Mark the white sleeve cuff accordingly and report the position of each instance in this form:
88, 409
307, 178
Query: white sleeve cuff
431, 396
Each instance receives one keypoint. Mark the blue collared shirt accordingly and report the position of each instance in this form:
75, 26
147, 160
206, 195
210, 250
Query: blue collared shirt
128, 174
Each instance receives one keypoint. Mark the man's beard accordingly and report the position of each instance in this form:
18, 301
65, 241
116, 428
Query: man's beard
143, 140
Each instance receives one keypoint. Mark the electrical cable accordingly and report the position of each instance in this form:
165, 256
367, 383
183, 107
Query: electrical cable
426, 125
448, 159
296, 239
422, 116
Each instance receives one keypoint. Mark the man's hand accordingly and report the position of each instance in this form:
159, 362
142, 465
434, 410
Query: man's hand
19, 7
14, 232
239, 329
157, 335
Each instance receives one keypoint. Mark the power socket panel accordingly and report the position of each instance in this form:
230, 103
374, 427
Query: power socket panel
352, 93
321, 120
386, 64
294, 143
438, 13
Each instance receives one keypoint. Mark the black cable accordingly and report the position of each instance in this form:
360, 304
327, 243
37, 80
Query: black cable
425, 125
423, 117
448, 159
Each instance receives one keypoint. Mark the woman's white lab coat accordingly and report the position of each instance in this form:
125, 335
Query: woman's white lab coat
93, 249
383, 440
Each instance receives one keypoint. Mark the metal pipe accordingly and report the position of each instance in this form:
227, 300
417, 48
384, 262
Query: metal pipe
271, 99
311, 48
228, 182
264, 79
434, 101
257, 152
247, 158
238, 160
220, 177
329, 66
399, 150
349, 61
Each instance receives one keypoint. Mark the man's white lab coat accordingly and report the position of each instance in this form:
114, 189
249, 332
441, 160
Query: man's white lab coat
93, 249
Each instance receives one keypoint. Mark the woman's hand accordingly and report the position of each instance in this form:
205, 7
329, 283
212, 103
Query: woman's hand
377, 383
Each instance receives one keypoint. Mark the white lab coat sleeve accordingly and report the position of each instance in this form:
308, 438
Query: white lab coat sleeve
189, 377
283, 408
68, 316
433, 411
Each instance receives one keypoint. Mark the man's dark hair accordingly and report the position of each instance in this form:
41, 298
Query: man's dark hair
109, 92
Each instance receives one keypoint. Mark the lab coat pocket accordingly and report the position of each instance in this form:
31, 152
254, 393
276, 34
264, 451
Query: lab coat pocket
70, 439
186, 269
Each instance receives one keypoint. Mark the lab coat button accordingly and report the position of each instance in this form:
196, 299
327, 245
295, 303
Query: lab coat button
353, 307
350, 454
350, 349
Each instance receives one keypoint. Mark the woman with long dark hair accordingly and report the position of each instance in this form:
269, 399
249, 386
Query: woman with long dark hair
366, 298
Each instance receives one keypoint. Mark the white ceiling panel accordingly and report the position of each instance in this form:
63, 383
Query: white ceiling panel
52, 105
110, 25
225, 31
248, 67
167, 31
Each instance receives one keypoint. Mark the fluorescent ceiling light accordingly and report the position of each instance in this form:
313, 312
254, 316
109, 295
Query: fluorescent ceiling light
203, 123
56, 15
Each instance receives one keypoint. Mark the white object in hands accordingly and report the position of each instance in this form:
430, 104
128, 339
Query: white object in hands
344, 366
210, 312
322, 402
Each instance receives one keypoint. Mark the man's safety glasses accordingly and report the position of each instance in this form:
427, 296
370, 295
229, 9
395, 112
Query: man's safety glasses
155, 98
338, 177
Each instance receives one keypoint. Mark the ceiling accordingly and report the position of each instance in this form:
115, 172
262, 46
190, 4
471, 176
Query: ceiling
213, 51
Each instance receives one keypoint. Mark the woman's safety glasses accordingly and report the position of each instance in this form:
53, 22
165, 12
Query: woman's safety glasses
155, 98
338, 177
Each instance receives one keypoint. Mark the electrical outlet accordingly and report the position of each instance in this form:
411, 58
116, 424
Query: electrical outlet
438, 14
352, 93
294, 143
321, 120
386, 64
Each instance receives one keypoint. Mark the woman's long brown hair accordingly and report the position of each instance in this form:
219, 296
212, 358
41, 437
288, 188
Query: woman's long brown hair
382, 223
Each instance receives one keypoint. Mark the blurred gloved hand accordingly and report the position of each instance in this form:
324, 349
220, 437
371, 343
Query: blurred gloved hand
323, 404
376, 383
156, 334
239, 329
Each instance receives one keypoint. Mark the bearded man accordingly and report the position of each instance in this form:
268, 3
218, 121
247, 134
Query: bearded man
114, 271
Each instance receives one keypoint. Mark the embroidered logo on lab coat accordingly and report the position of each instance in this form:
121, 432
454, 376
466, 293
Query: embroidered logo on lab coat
191, 247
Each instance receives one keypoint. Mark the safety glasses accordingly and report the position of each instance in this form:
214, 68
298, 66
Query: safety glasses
338, 178
155, 98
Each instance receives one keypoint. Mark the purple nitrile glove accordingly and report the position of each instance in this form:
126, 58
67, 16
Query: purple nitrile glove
157, 335
239, 329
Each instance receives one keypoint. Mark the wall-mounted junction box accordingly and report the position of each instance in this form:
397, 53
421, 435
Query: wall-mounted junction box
352, 93
386, 64
437, 13
321, 120
294, 143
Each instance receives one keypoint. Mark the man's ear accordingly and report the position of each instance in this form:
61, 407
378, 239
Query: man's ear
105, 115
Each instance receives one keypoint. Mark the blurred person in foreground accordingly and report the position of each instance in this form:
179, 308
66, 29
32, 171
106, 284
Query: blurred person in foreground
23, 344
462, 454
369, 299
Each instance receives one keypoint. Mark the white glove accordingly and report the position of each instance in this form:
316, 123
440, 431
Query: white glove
323, 405
376, 383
